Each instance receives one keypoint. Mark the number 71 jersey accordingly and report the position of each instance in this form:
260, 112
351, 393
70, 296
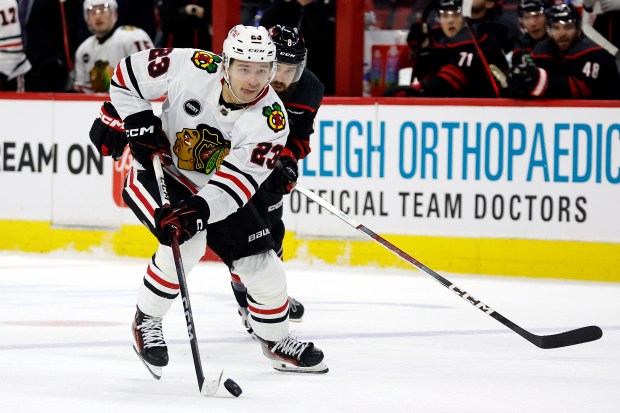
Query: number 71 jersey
225, 153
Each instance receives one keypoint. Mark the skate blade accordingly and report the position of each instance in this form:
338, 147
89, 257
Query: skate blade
154, 370
296, 320
283, 366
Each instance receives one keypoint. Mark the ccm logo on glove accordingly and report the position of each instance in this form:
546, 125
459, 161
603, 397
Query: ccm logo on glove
131, 133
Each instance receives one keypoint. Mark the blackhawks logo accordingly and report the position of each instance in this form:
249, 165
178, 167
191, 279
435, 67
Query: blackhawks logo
202, 149
206, 61
275, 117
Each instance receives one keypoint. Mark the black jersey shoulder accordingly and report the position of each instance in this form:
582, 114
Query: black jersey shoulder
583, 46
308, 92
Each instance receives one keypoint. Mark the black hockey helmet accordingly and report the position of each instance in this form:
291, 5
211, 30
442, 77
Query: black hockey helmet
533, 6
290, 47
565, 13
450, 5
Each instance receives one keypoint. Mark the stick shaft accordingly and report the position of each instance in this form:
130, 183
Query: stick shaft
178, 263
568, 338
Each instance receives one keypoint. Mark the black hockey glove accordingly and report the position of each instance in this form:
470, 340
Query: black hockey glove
146, 138
527, 80
283, 177
183, 221
108, 133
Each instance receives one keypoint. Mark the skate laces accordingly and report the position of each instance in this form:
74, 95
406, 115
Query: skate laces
292, 304
152, 334
290, 346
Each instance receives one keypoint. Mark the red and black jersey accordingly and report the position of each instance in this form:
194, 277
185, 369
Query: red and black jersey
301, 108
455, 68
585, 71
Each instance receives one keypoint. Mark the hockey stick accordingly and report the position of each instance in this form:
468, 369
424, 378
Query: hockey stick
599, 39
466, 10
65, 37
567, 338
206, 387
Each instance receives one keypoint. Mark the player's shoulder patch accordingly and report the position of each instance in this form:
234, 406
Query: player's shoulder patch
206, 60
275, 117
128, 28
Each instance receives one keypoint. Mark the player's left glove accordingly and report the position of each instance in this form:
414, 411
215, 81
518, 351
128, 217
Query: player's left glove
108, 133
283, 177
184, 221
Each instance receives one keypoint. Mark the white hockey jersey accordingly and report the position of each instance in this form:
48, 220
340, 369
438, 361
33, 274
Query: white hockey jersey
13, 61
225, 154
96, 59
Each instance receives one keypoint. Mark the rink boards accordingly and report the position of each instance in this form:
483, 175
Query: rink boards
472, 186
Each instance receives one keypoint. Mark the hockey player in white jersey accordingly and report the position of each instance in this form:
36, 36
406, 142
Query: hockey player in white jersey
99, 54
13, 61
221, 132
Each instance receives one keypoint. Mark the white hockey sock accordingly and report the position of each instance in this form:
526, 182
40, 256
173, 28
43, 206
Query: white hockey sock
263, 276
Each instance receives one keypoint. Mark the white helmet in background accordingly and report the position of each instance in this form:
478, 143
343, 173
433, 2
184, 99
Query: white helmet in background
90, 4
250, 44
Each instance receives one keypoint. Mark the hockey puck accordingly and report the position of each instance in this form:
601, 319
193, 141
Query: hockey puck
233, 388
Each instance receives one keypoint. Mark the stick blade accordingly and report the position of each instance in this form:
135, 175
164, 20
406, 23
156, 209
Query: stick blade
209, 387
569, 338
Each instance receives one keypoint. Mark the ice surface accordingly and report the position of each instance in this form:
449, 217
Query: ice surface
395, 341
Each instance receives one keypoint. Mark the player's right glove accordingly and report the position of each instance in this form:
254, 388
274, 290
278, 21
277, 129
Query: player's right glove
147, 138
527, 80
108, 133
184, 221
283, 177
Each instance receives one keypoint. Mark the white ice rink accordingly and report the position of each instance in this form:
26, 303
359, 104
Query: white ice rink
395, 341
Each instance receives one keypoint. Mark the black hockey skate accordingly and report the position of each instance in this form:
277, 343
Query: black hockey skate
148, 342
292, 355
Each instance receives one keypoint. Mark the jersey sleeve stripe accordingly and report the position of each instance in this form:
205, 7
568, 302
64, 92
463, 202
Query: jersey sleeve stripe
300, 148
236, 181
300, 106
247, 176
121, 78
228, 190
132, 76
113, 83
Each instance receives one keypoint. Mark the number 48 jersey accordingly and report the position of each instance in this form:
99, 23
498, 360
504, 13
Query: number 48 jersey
585, 71
224, 154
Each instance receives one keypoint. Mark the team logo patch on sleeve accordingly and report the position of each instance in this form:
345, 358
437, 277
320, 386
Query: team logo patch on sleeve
275, 117
206, 61
202, 149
